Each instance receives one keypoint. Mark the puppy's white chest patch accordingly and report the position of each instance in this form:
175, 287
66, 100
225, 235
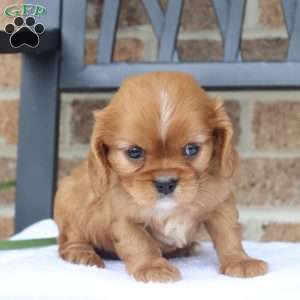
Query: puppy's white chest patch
164, 207
176, 232
173, 232
170, 227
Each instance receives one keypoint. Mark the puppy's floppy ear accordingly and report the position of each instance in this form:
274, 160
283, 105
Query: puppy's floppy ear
97, 163
224, 153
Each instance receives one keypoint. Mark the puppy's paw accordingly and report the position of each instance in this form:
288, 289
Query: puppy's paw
82, 256
159, 270
245, 268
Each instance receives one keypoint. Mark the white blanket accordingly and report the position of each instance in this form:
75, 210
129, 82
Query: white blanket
41, 274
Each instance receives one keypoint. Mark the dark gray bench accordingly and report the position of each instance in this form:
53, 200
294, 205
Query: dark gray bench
58, 65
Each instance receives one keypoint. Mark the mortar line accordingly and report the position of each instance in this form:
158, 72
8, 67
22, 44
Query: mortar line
150, 50
252, 14
272, 154
7, 210
69, 97
261, 95
9, 95
141, 34
145, 33
67, 125
269, 214
8, 151
246, 137
264, 33
75, 152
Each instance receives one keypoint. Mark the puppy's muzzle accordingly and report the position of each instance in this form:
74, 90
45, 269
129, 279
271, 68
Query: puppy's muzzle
165, 186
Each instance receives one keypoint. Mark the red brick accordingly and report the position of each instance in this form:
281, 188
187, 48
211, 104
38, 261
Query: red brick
82, 119
10, 70
9, 120
3, 19
132, 14
268, 182
7, 227
7, 174
90, 51
286, 232
234, 111
126, 50
264, 49
200, 50
271, 14
276, 125
94, 10
198, 15
65, 166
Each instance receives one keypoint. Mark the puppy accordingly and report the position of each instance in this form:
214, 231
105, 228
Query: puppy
160, 164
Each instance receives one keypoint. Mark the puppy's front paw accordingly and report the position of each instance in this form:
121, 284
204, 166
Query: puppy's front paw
159, 270
82, 256
245, 268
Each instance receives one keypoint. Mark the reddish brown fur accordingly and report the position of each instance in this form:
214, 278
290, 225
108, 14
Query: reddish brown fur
109, 202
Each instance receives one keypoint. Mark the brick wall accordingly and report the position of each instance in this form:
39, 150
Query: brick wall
267, 123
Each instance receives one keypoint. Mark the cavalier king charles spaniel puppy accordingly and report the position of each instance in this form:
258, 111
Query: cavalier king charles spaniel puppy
160, 166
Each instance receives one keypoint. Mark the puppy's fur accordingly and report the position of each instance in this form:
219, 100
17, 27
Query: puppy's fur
110, 203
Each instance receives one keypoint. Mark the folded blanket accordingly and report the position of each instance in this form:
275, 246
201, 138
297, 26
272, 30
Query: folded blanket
41, 274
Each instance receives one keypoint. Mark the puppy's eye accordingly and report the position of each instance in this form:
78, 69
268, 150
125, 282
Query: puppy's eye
190, 150
135, 152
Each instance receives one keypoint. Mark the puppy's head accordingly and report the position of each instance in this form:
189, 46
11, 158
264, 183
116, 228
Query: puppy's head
159, 138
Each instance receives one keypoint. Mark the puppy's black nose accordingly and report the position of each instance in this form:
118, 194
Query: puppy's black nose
165, 186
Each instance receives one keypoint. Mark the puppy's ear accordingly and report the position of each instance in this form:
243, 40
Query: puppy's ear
225, 155
97, 163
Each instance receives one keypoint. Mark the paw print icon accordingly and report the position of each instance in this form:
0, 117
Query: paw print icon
24, 32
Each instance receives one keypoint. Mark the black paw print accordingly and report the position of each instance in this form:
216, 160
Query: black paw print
24, 32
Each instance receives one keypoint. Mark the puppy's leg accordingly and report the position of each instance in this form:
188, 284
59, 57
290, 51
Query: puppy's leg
141, 253
78, 251
224, 230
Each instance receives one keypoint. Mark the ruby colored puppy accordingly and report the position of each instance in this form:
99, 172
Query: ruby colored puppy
160, 165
